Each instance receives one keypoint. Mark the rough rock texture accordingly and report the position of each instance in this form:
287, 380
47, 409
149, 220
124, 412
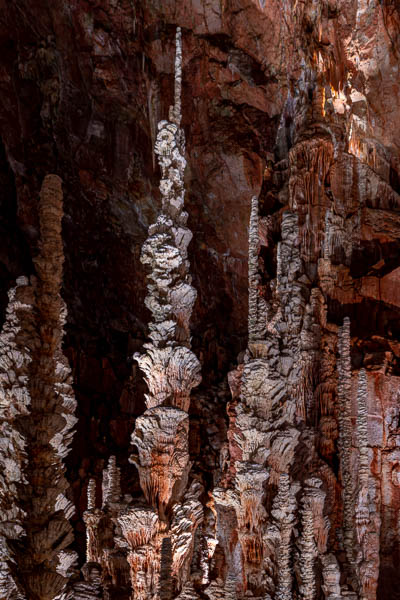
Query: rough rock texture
37, 416
295, 104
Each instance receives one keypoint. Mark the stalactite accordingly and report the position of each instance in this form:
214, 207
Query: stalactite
344, 396
40, 407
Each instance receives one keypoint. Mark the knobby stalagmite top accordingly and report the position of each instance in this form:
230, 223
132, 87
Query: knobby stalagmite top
171, 370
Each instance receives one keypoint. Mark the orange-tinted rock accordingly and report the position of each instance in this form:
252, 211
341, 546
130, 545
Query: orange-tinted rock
297, 103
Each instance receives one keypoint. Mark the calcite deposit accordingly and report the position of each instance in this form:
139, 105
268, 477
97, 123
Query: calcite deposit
37, 416
230, 241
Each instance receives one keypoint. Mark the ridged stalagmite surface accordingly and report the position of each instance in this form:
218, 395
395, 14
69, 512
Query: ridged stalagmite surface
159, 538
38, 415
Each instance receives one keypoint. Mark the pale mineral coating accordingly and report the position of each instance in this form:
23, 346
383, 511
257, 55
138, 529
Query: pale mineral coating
296, 103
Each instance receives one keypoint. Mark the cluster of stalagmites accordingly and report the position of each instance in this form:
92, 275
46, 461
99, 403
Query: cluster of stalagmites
36, 418
280, 491
270, 528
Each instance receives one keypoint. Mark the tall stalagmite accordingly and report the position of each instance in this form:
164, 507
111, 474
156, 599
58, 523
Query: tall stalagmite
37, 416
160, 532
170, 368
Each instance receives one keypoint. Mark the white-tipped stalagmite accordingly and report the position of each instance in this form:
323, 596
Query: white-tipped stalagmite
170, 368
176, 110
111, 489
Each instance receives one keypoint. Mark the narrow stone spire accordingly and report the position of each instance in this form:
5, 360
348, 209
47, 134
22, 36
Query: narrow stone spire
362, 429
37, 413
283, 511
176, 110
170, 368
253, 317
307, 551
344, 395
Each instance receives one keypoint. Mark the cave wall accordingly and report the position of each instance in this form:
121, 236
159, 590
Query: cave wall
297, 103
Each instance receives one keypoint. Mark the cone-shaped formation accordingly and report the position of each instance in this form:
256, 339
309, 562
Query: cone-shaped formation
170, 368
157, 539
37, 415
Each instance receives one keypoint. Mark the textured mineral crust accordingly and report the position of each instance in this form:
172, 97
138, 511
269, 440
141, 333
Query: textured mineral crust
221, 418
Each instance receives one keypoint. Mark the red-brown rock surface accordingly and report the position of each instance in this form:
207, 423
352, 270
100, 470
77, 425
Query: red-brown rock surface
298, 103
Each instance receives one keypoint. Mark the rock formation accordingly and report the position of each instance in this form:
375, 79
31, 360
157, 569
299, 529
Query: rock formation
278, 475
159, 535
37, 417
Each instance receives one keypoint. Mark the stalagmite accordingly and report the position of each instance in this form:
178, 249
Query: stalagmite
283, 510
344, 395
14, 404
141, 529
157, 538
170, 368
307, 550
254, 317
92, 517
37, 410
161, 436
91, 587
362, 430
331, 576
111, 489
367, 522
278, 480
